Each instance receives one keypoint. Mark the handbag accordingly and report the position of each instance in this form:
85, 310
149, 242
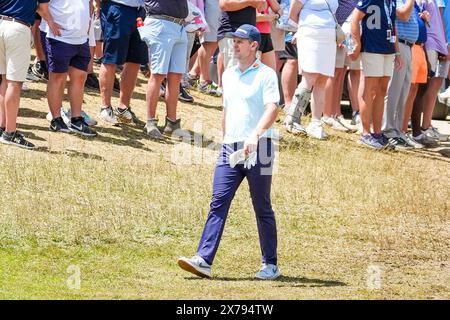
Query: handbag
340, 34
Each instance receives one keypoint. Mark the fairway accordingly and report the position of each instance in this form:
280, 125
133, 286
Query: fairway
107, 218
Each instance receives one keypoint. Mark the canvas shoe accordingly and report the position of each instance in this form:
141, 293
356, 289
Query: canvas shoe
196, 265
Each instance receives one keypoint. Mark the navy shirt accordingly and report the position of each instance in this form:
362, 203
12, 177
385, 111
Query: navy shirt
173, 8
24, 10
422, 28
379, 18
231, 20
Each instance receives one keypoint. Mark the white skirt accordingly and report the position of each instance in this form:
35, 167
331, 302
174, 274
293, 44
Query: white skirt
316, 50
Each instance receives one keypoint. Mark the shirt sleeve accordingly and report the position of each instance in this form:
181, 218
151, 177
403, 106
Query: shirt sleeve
363, 5
271, 93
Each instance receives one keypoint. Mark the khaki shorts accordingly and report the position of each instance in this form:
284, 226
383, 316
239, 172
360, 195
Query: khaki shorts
353, 65
226, 48
438, 67
277, 37
15, 50
341, 53
377, 64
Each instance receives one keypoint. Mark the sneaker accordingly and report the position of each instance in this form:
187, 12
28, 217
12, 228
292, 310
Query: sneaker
107, 114
58, 125
315, 130
25, 87
31, 76
382, 139
171, 126
209, 89
87, 118
334, 124
293, 126
80, 127
134, 117
425, 140
193, 80
185, 96
151, 128
398, 143
268, 272
368, 140
16, 139
1, 131
65, 116
40, 70
344, 123
92, 82
445, 94
196, 265
434, 133
356, 119
411, 142
123, 115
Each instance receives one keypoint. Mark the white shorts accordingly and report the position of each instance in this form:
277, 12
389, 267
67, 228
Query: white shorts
212, 16
15, 50
377, 64
438, 67
92, 34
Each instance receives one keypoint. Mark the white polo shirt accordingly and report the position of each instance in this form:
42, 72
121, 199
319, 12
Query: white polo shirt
74, 19
245, 96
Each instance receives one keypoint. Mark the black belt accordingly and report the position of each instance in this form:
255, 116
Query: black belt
179, 21
408, 43
2, 17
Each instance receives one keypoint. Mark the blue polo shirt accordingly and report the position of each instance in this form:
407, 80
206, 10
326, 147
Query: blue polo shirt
245, 96
408, 30
24, 10
379, 17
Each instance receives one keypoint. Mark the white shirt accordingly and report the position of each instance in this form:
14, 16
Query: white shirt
130, 3
245, 96
74, 18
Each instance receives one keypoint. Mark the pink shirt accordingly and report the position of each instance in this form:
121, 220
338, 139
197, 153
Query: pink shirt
264, 27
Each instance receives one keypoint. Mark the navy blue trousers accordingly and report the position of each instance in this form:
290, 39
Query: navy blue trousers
226, 182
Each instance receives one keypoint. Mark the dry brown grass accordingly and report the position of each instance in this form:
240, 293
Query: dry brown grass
120, 209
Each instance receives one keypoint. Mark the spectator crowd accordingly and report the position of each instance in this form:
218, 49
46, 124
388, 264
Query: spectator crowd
392, 57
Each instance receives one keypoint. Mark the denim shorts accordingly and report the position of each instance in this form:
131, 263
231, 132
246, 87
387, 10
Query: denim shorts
121, 41
167, 45
61, 56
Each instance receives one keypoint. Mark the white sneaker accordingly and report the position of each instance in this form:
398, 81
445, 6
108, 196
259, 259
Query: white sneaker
315, 130
196, 265
123, 115
49, 116
334, 124
411, 142
107, 115
294, 127
425, 140
433, 133
268, 272
65, 116
445, 94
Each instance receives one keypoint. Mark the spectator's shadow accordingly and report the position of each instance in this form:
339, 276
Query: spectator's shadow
286, 281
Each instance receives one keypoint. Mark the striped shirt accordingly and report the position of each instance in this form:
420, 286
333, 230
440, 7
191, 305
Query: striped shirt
409, 30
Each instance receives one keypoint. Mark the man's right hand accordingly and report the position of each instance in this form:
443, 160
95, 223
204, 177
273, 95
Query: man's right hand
54, 28
259, 5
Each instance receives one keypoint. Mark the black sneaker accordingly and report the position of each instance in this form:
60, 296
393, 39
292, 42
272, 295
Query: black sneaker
398, 143
40, 70
58, 125
184, 95
80, 127
92, 82
16, 139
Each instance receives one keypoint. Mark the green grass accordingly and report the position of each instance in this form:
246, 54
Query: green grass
119, 209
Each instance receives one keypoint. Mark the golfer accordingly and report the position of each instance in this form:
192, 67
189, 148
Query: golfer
251, 99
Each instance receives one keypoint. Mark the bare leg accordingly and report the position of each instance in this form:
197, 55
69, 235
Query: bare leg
3, 87
366, 102
378, 104
76, 90
354, 84
204, 56
172, 92
429, 100
269, 60
12, 102
153, 94
106, 77
55, 92
409, 106
128, 83
289, 80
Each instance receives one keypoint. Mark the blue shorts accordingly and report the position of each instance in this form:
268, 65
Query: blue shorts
167, 46
121, 41
61, 56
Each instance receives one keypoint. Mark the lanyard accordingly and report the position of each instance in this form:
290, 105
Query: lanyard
388, 11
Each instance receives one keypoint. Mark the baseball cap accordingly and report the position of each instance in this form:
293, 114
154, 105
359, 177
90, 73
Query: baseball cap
247, 31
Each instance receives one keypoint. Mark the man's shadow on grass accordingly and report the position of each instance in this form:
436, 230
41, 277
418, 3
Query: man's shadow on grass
285, 281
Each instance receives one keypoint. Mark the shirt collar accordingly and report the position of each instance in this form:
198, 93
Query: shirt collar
256, 65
